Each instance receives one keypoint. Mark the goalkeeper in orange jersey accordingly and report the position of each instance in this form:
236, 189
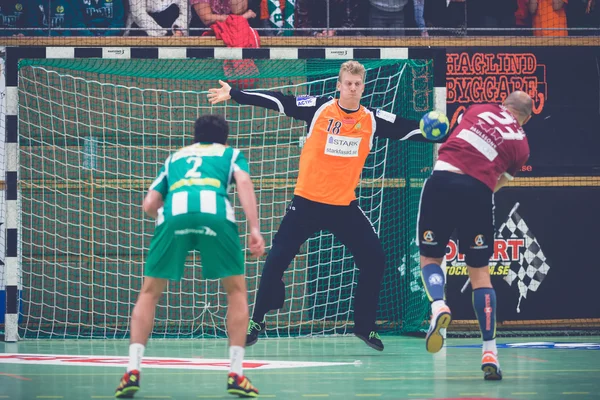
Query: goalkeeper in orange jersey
340, 135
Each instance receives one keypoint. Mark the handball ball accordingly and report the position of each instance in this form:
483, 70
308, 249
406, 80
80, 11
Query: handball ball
434, 125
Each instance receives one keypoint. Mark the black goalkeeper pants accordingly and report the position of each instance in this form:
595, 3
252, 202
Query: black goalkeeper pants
352, 227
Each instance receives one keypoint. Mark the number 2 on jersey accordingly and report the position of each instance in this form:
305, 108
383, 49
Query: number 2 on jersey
193, 172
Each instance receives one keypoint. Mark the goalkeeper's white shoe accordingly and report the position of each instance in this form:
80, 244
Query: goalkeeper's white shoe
491, 367
434, 341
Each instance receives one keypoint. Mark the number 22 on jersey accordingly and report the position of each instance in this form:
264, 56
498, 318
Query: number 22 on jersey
504, 119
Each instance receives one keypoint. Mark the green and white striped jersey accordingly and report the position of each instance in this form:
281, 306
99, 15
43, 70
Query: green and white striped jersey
197, 178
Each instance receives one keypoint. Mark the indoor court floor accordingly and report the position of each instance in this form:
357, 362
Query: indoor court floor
340, 367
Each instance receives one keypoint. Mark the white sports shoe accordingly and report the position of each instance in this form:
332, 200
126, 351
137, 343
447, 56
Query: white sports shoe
434, 341
490, 367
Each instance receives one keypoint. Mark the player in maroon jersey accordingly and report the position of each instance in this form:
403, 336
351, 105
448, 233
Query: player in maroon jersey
482, 154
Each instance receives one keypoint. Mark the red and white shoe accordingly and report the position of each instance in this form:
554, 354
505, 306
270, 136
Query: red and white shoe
491, 367
240, 386
129, 385
434, 341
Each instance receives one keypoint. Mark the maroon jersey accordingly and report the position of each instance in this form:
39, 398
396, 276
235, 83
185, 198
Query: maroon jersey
487, 143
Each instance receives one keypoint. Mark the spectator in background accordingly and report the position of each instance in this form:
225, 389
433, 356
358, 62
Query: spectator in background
265, 17
583, 14
55, 18
387, 14
491, 14
158, 17
269, 17
103, 14
523, 18
12, 16
211, 11
549, 14
440, 14
419, 6
342, 14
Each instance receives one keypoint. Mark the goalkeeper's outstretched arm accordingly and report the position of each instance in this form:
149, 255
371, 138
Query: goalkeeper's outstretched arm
390, 126
301, 107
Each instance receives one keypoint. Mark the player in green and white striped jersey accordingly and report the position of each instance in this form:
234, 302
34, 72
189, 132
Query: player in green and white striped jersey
189, 200
197, 179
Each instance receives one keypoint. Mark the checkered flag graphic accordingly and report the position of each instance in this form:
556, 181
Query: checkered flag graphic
533, 268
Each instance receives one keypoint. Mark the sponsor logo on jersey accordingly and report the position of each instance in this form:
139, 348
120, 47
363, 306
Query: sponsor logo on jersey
342, 146
306, 101
483, 144
203, 230
199, 150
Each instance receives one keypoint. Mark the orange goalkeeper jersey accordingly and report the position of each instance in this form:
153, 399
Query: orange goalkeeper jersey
336, 148
338, 141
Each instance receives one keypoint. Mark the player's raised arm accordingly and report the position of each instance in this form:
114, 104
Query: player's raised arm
301, 107
391, 126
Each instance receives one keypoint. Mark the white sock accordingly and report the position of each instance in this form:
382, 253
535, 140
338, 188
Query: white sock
436, 305
236, 358
490, 345
136, 352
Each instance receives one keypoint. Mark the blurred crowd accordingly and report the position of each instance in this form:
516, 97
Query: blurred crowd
301, 17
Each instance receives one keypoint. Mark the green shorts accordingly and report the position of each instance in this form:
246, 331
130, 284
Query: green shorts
216, 239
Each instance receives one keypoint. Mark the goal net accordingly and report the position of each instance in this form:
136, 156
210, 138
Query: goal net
92, 136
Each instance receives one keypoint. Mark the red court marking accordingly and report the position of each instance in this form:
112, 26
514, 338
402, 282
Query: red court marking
531, 358
153, 362
22, 378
